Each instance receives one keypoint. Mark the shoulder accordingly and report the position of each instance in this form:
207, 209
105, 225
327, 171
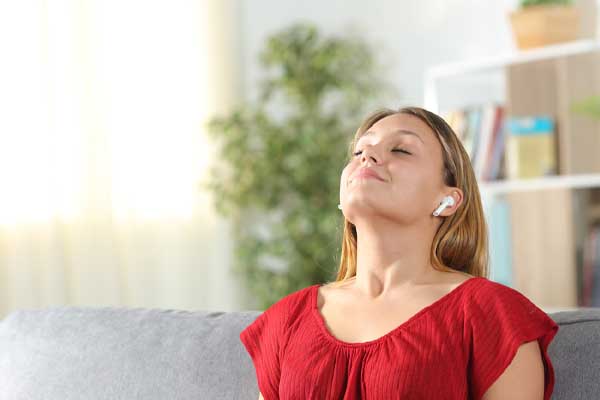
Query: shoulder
274, 320
296, 297
489, 294
500, 324
492, 306
290, 304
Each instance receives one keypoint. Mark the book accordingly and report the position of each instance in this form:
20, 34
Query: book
496, 149
485, 133
530, 147
500, 251
471, 135
481, 132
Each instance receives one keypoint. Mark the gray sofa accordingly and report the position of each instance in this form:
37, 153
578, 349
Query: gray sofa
66, 353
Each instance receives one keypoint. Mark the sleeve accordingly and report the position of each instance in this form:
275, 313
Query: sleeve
262, 339
502, 319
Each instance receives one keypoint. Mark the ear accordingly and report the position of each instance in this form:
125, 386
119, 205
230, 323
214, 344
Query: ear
457, 195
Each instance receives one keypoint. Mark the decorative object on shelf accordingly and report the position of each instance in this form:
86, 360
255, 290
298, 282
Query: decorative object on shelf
280, 157
531, 148
543, 22
589, 107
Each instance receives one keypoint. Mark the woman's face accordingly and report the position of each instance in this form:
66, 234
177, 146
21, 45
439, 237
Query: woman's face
411, 184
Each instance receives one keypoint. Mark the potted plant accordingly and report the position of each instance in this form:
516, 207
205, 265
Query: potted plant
281, 156
542, 22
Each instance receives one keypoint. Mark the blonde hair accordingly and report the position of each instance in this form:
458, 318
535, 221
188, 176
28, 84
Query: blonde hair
461, 242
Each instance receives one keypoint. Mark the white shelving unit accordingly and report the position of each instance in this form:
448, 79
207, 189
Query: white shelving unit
490, 71
580, 181
434, 75
482, 81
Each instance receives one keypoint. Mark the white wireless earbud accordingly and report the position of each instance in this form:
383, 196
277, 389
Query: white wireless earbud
340, 206
448, 201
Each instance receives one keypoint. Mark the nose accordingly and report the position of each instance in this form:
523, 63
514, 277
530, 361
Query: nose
368, 153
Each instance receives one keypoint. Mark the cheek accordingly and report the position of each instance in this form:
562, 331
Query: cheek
409, 182
405, 174
345, 175
414, 185
343, 180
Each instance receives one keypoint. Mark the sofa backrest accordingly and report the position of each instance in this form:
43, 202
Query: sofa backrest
575, 354
64, 353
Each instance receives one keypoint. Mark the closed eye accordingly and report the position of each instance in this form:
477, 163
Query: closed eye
398, 149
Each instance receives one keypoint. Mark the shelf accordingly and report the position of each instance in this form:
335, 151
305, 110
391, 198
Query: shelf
518, 57
436, 73
579, 181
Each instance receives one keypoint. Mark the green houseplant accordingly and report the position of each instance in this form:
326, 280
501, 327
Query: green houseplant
544, 22
281, 158
531, 3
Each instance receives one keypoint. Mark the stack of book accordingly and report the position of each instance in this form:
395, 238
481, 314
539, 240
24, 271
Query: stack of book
481, 131
505, 147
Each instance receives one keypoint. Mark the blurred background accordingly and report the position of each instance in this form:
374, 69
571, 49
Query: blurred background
187, 154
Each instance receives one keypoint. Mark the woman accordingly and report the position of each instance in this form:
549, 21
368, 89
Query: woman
411, 314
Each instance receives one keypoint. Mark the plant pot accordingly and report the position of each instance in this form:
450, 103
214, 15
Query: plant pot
541, 25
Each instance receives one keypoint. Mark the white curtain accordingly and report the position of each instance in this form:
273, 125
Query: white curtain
102, 105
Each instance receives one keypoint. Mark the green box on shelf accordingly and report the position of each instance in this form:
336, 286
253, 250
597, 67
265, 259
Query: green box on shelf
531, 147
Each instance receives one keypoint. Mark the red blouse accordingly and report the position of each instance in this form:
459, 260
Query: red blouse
455, 348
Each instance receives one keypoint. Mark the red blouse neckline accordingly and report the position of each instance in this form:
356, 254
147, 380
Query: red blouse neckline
328, 335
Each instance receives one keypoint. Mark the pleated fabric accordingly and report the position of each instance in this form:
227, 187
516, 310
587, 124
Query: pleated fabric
455, 348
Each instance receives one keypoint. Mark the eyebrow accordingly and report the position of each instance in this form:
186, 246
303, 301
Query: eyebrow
402, 131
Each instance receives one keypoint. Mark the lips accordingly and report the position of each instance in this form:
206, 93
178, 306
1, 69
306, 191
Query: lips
367, 172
